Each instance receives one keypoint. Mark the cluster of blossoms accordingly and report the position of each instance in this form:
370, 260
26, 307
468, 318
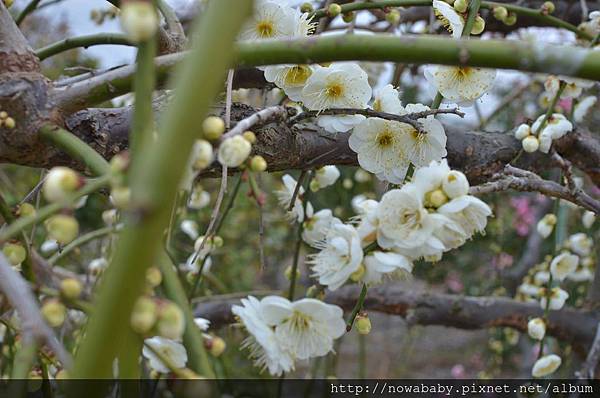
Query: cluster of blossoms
282, 332
575, 263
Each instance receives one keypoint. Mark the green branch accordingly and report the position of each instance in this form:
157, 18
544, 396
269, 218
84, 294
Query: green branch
75, 147
29, 8
144, 82
154, 185
82, 240
535, 13
81, 41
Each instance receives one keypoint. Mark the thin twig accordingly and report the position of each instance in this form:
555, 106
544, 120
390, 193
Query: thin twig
270, 114
297, 190
228, 100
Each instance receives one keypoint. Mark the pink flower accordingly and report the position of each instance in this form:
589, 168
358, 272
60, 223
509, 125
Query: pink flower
458, 371
524, 217
502, 260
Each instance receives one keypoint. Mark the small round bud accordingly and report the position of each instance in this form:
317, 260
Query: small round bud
202, 155
153, 276
334, 10
288, 273
54, 312
511, 19
217, 241
522, 131
455, 184
249, 136
530, 144
358, 274
213, 127
548, 8
26, 210
460, 5
15, 253
536, 328
435, 198
139, 20
393, 17
10, 123
500, 13
3, 115
234, 151
363, 324
217, 346
258, 163
347, 183
60, 183
110, 217
143, 316
348, 17
71, 288
306, 7
314, 185
478, 26
62, 228
171, 321
120, 197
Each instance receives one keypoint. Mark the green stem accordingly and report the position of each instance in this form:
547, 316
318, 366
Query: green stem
192, 337
536, 13
81, 41
551, 107
362, 356
82, 240
155, 181
75, 147
29, 8
143, 84
437, 101
357, 307
42, 214
27, 265
473, 11
24, 358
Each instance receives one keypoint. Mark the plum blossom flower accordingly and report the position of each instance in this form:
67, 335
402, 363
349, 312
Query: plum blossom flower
324, 177
387, 100
271, 21
460, 84
558, 297
379, 264
583, 107
424, 147
305, 327
580, 243
588, 219
556, 126
285, 195
290, 78
563, 265
546, 225
168, 348
317, 225
573, 86
340, 256
451, 20
536, 328
546, 365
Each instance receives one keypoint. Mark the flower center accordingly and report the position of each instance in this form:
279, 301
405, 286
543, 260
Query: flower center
385, 139
334, 90
265, 29
297, 75
300, 321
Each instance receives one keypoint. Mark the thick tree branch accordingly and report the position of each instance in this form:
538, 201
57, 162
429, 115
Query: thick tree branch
15, 53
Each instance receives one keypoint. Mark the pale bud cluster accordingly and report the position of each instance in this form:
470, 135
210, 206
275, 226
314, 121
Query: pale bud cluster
6, 121
542, 132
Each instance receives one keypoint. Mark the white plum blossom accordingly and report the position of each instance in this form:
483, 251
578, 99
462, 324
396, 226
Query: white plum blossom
536, 328
285, 195
556, 126
583, 107
290, 78
265, 349
546, 225
546, 365
234, 151
168, 348
341, 124
558, 297
424, 147
563, 265
581, 274
202, 323
306, 327
379, 264
387, 100
317, 225
340, 256
580, 243
199, 198
190, 228
588, 219
460, 84
271, 21
325, 176
522, 131
451, 20
573, 86
455, 184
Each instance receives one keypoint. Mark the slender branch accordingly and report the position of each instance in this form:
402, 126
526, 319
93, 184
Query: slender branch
29, 8
81, 41
144, 82
75, 147
19, 294
262, 117
474, 6
357, 307
173, 24
82, 240
154, 185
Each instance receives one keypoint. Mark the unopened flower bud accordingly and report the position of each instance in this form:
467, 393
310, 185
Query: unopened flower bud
120, 197
536, 328
435, 198
548, 8
455, 184
217, 241
203, 155
9, 123
348, 17
478, 25
588, 219
500, 13
546, 225
60, 183
393, 17
460, 5
62, 228
522, 131
288, 273
334, 10
546, 365
258, 163
25, 210
139, 20
511, 19
234, 151
171, 321
249, 136
347, 183
213, 128
358, 274
153, 276
530, 144
54, 312
144, 314
363, 324
306, 7
71, 288
217, 346
15, 253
